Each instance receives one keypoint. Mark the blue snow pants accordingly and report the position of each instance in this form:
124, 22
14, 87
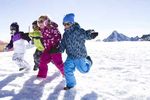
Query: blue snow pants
83, 65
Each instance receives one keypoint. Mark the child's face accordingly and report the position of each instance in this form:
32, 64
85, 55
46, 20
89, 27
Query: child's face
67, 25
35, 27
41, 23
13, 30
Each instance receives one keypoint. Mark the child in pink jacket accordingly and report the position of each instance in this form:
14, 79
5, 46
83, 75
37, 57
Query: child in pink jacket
51, 38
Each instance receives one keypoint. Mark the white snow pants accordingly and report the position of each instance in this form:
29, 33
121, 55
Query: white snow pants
18, 58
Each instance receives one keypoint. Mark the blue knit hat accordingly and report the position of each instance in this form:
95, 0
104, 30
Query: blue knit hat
69, 18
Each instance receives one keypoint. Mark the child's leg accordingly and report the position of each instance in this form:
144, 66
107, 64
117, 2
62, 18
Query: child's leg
27, 68
69, 69
43, 67
18, 59
35, 59
57, 60
36, 56
83, 65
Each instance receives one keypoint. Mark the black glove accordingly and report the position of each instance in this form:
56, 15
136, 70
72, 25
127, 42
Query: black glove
90, 31
54, 50
94, 35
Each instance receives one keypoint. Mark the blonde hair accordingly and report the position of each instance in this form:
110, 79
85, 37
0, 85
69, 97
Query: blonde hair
45, 20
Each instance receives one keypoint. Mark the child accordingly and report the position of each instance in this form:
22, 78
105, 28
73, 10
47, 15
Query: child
17, 42
37, 40
51, 38
74, 43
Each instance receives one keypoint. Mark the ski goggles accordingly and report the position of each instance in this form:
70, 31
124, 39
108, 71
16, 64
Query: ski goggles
12, 28
40, 21
67, 24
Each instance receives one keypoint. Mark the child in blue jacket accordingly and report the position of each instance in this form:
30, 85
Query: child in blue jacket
73, 42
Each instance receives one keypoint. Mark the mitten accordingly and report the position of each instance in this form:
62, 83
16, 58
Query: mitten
54, 50
94, 35
5, 49
90, 31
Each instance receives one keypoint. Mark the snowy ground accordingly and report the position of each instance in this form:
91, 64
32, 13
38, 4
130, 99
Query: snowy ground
121, 71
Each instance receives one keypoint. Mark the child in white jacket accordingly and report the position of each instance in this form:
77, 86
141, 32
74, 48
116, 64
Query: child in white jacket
17, 42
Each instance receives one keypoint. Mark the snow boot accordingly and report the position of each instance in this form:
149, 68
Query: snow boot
35, 68
67, 88
89, 58
20, 69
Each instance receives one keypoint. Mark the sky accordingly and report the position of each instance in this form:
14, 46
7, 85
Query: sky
130, 17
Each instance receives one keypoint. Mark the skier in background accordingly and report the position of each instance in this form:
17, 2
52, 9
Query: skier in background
17, 42
74, 43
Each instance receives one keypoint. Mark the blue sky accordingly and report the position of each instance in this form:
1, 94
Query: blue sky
130, 17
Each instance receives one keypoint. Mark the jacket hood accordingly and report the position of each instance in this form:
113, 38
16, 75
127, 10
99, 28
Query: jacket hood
54, 24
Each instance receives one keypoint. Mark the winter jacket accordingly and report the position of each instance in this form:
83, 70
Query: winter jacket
37, 40
51, 36
74, 41
17, 42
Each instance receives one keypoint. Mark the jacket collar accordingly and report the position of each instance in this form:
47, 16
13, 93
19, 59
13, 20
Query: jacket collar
73, 27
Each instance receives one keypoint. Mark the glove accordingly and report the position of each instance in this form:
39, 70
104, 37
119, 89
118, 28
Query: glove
5, 49
54, 50
29, 45
90, 31
94, 35
31, 42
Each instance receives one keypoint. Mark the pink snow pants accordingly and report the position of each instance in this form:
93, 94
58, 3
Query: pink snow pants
46, 57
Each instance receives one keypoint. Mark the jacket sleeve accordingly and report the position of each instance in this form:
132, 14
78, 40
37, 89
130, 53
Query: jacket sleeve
10, 44
85, 34
57, 37
25, 36
62, 45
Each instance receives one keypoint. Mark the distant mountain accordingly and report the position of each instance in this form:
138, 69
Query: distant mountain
115, 36
146, 37
135, 38
2, 45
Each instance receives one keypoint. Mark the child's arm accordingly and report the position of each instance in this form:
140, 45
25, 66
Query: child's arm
10, 44
35, 35
57, 37
25, 36
62, 45
89, 34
